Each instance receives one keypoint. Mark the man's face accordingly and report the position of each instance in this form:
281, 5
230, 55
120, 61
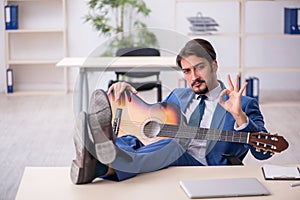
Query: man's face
199, 74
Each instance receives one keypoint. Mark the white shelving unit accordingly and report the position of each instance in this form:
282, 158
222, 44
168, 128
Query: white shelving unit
36, 46
243, 37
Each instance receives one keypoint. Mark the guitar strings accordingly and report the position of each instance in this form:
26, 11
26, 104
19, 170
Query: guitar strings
212, 134
185, 132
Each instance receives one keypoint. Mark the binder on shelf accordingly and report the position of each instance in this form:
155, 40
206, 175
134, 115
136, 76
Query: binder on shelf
11, 17
252, 89
292, 20
10, 80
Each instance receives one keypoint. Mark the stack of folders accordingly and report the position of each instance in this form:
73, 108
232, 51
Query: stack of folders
202, 25
277, 172
252, 89
292, 20
11, 17
10, 80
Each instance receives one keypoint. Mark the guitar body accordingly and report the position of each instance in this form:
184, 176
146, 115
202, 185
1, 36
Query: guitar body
136, 114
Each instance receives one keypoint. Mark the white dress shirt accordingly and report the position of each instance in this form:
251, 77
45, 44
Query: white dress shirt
197, 147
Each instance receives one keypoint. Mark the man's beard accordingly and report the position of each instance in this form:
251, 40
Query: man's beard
198, 90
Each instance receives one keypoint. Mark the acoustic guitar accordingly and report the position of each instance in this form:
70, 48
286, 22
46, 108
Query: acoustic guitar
152, 122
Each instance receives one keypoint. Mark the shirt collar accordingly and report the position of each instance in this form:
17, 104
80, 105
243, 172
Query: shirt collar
213, 94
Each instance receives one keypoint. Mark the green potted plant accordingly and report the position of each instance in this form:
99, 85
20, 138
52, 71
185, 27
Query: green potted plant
120, 18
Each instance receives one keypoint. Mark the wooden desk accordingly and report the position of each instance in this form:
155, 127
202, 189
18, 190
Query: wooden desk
54, 183
132, 63
138, 63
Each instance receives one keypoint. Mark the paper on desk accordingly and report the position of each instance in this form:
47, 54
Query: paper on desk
280, 172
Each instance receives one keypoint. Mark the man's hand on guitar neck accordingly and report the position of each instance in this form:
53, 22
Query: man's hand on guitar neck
118, 90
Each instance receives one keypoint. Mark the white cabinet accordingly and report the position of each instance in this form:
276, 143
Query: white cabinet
250, 40
270, 54
36, 46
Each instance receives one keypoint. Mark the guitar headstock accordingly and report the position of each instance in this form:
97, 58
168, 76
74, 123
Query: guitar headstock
268, 142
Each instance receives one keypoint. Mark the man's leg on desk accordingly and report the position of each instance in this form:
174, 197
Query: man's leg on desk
126, 156
85, 168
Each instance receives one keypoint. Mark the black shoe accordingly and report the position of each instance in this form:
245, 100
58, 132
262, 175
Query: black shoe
99, 119
83, 168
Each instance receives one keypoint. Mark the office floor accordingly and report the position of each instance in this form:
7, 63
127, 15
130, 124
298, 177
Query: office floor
37, 131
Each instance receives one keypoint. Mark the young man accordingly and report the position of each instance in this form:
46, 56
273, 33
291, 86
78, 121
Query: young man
223, 109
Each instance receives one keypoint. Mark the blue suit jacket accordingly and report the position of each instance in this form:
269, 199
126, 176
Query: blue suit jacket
223, 120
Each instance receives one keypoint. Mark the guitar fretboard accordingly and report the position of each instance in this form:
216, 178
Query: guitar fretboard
175, 131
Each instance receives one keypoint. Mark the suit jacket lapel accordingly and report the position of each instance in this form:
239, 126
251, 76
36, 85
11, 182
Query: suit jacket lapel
186, 98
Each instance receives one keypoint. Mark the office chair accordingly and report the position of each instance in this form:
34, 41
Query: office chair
232, 160
140, 86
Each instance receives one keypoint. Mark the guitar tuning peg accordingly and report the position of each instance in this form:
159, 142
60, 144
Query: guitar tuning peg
273, 147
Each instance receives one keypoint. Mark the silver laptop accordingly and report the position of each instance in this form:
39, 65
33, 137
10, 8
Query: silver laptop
231, 187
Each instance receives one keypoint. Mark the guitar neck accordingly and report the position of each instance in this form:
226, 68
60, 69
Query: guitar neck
168, 130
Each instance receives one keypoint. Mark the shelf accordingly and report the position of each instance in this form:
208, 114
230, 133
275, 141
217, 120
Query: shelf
281, 104
248, 39
37, 92
59, 30
271, 35
21, 1
32, 62
33, 50
29, 0
215, 35
272, 69
271, 0
195, 1
246, 35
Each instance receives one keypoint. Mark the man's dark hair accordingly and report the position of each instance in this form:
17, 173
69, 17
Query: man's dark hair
197, 47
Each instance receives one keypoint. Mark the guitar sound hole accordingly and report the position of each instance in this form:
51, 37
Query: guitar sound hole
151, 129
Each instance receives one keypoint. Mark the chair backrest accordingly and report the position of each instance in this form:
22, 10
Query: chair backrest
138, 51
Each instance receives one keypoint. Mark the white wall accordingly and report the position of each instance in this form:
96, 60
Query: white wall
274, 51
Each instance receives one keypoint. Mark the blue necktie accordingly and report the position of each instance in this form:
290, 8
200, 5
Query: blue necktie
194, 120
197, 115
